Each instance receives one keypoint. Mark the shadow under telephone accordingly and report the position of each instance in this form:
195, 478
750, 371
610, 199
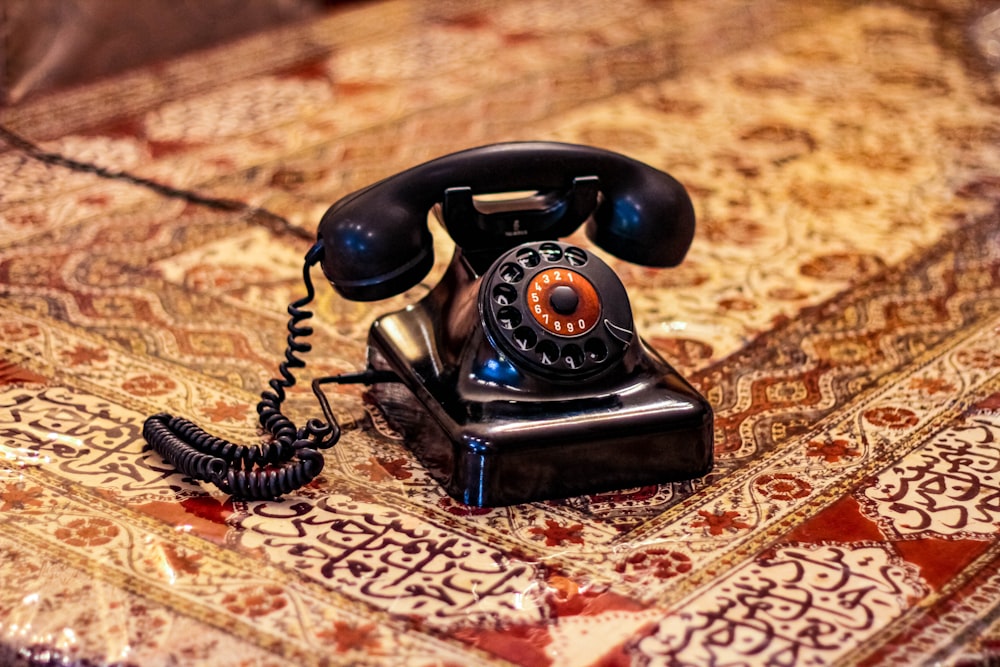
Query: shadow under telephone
519, 376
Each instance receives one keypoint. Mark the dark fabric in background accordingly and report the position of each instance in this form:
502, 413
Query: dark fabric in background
50, 44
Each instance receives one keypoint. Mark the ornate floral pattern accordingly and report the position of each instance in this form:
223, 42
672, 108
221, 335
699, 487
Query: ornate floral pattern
840, 309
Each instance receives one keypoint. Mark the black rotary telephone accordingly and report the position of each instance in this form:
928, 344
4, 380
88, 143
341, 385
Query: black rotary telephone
519, 376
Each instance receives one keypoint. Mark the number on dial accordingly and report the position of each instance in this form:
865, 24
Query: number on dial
563, 302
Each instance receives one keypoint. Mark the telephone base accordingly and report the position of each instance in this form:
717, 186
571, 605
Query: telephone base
492, 444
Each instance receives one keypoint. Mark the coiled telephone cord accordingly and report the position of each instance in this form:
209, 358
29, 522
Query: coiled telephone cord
289, 461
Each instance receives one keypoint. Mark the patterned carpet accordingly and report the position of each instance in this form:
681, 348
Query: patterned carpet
840, 308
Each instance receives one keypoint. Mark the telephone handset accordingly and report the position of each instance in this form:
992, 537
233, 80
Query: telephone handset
378, 243
519, 376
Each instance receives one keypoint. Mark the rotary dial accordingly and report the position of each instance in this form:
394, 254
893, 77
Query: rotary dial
556, 309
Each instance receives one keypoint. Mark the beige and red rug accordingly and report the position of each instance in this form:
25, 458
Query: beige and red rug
840, 308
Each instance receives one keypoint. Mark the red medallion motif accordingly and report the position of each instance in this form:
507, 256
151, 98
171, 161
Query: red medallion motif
832, 451
151, 384
223, 411
782, 486
658, 562
180, 560
556, 534
89, 532
720, 522
17, 497
83, 355
255, 601
891, 417
350, 637
15, 332
931, 385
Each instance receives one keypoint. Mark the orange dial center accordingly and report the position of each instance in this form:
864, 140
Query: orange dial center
563, 302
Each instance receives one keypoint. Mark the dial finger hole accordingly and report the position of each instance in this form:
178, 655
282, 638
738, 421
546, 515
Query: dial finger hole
528, 257
525, 338
511, 272
504, 294
508, 317
548, 352
596, 350
575, 256
573, 356
551, 252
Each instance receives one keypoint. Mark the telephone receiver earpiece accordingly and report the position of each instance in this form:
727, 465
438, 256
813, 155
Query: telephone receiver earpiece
377, 243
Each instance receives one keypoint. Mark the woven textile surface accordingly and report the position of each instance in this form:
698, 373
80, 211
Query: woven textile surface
840, 309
